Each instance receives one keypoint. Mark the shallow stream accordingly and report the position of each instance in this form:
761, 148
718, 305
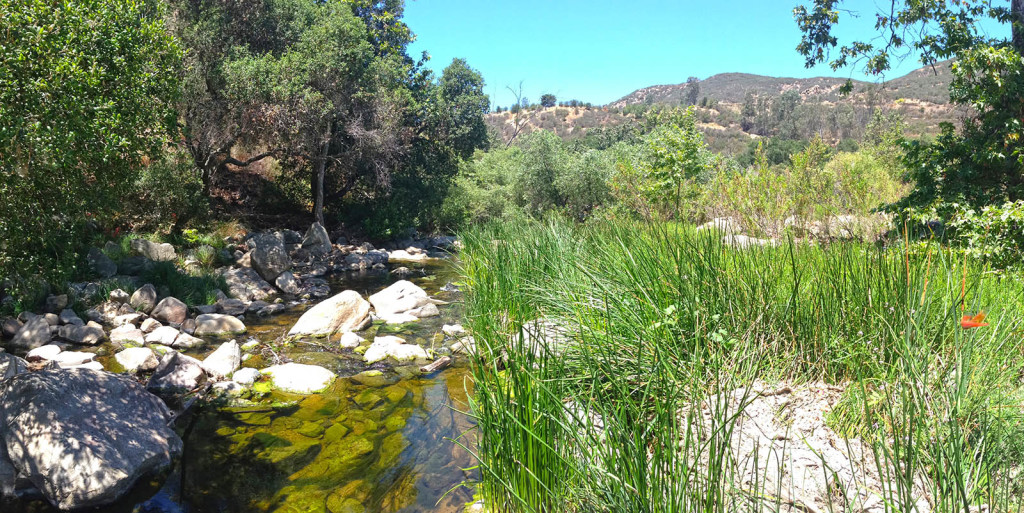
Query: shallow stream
380, 442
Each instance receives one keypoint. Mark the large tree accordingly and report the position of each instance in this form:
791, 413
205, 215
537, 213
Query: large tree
86, 89
981, 162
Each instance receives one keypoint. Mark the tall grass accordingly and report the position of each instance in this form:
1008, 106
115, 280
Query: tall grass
620, 399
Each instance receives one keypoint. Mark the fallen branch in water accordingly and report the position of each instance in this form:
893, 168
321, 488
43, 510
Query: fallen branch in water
440, 363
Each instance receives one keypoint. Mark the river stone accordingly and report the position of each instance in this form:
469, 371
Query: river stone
170, 310
47, 352
246, 376
186, 341
393, 347
176, 374
144, 299
218, 324
225, 360
52, 319
164, 335
56, 303
156, 252
350, 340
82, 335
35, 333
119, 296
11, 366
10, 327
288, 284
137, 359
298, 378
69, 359
93, 366
230, 306
127, 334
247, 285
269, 257
403, 297
189, 326
316, 241
347, 311
89, 451
149, 325
68, 316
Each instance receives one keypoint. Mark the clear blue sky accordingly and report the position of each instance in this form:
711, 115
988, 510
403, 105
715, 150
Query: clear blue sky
601, 50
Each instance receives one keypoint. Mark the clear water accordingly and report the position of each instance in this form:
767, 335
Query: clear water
389, 442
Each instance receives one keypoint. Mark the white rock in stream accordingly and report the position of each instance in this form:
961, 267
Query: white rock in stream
225, 360
246, 376
404, 297
347, 311
393, 347
298, 378
350, 340
135, 359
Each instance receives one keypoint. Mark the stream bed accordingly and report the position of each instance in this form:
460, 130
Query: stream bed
383, 441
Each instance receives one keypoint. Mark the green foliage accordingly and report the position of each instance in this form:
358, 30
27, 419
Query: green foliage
169, 193
85, 95
621, 408
993, 234
548, 100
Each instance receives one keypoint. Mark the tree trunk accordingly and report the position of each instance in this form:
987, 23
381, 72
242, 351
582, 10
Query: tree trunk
318, 185
1017, 16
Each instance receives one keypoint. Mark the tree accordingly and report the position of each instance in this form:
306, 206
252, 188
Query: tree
548, 100
85, 99
980, 163
691, 92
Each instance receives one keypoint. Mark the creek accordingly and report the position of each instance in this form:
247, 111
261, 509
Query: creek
384, 441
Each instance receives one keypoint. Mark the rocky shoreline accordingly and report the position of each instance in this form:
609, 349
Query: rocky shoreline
143, 338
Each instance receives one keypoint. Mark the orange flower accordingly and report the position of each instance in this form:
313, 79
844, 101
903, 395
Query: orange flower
968, 322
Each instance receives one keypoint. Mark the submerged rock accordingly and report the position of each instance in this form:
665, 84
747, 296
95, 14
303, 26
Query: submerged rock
298, 378
347, 311
88, 451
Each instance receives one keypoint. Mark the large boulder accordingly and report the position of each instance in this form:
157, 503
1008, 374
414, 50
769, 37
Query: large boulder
269, 256
144, 299
316, 241
298, 378
366, 259
347, 311
247, 285
170, 310
176, 374
154, 251
225, 360
84, 437
82, 335
11, 366
100, 263
217, 325
402, 299
35, 333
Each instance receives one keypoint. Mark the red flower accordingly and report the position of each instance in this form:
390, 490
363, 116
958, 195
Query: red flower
968, 322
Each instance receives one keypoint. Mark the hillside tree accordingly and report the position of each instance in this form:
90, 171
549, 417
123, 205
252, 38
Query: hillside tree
548, 100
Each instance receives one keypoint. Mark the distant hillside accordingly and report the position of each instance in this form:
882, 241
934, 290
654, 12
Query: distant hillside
736, 108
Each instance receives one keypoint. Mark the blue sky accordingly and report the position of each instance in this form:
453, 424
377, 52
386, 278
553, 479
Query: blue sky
601, 50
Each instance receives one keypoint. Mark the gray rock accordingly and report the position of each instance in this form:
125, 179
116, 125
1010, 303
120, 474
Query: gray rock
176, 374
11, 366
119, 296
366, 259
164, 335
89, 451
101, 264
189, 326
273, 309
393, 347
269, 257
137, 359
246, 376
186, 341
247, 285
224, 360
52, 319
350, 340
10, 327
149, 325
83, 335
55, 304
127, 335
84, 290
136, 265
347, 311
70, 359
26, 316
170, 310
105, 312
35, 333
230, 307
403, 298
154, 251
144, 299
68, 316
132, 318
256, 306
206, 309
217, 325
290, 236
288, 284
316, 241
